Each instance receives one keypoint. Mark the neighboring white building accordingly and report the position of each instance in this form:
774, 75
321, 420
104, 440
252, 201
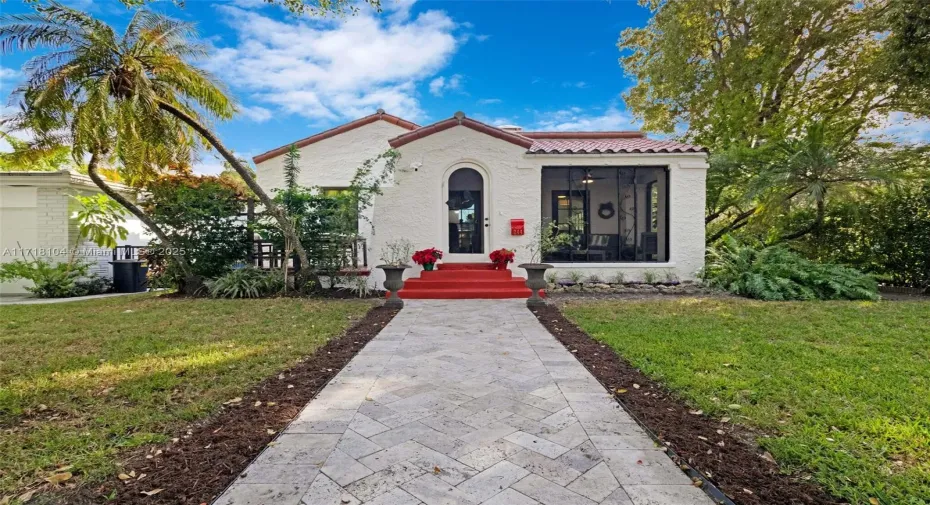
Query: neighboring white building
460, 183
36, 219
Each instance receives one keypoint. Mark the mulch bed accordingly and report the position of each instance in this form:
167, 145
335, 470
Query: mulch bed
738, 467
207, 457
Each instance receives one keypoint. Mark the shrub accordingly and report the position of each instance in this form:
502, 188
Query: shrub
594, 279
93, 285
775, 273
618, 278
201, 216
575, 276
247, 282
886, 234
552, 278
58, 280
650, 276
670, 276
359, 287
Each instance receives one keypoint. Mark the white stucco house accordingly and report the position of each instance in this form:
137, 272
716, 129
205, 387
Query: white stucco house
37, 221
462, 185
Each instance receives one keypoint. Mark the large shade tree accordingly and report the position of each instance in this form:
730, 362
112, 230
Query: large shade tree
743, 75
136, 96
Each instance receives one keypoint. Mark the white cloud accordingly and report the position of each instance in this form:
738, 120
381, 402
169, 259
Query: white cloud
575, 84
494, 121
577, 119
8, 74
436, 85
336, 68
440, 85
256, 113
901, 127
489, 101
482, 37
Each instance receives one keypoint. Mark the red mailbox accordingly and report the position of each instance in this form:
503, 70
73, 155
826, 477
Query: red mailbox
517, 227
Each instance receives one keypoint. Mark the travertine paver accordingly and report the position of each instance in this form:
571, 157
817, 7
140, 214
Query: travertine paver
463, 402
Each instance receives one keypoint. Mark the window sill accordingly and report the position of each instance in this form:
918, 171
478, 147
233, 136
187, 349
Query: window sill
607, 264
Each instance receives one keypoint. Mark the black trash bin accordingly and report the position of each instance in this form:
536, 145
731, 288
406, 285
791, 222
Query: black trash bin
129, 276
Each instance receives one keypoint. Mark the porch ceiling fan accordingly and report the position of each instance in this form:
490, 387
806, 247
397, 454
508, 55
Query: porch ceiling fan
459, 204
588, 179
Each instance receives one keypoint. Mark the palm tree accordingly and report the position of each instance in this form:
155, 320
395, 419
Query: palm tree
129, 96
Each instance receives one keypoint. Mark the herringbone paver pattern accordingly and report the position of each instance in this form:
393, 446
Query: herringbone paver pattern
463, 402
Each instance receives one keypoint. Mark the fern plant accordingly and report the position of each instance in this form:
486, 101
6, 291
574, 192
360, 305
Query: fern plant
775, 273
248, 282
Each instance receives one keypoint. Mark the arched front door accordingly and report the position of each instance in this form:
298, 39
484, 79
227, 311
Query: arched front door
467, 217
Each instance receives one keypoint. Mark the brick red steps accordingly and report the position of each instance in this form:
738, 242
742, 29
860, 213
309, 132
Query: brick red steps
465, 281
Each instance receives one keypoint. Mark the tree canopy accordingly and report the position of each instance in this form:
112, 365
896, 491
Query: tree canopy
741, 72
786, 95
312, 7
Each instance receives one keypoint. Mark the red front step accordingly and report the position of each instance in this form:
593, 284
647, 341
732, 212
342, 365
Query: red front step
463, 293
467, 275
465, 266
465, 281
443, 283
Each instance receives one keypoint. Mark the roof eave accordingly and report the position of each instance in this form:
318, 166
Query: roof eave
332, 132
461, 120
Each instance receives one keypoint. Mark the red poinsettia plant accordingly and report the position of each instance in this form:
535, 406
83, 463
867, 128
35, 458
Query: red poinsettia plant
501, 257
427, 257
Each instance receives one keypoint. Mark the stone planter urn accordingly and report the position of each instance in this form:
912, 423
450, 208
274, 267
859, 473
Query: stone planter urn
535, 280
393, 282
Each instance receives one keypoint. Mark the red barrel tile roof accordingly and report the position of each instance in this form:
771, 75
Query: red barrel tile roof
630, 144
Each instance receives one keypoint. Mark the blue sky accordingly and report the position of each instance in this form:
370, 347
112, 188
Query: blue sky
539, 64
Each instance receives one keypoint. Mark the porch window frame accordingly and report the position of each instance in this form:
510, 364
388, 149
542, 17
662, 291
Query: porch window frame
582, 258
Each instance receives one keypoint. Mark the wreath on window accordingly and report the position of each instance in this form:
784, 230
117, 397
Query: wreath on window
606, 210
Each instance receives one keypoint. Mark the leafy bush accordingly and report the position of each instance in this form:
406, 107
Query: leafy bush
359, 287
58, 280
93, 285
887, 234
201, 216
247, 282
775, 273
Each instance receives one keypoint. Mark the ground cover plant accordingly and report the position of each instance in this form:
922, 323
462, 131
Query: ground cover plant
775, 273
81, 382
839, 392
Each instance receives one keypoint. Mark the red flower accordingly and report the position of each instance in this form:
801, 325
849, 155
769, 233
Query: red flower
427, 256
501, 257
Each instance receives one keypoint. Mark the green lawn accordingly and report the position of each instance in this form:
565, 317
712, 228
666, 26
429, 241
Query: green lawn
79, 381
844, 387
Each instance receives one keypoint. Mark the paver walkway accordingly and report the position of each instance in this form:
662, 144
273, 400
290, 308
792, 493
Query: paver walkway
463, 402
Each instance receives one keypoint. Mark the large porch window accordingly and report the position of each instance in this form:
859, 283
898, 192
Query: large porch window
614, 214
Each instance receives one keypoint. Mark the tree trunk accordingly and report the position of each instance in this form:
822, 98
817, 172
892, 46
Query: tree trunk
192, 282
814, 226
305, 272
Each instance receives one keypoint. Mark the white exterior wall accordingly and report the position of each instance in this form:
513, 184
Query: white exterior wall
332, 162
413, 207
36, 216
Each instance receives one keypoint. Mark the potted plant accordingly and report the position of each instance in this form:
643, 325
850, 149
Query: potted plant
546, 238
394, 255
501, 257
427, 257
